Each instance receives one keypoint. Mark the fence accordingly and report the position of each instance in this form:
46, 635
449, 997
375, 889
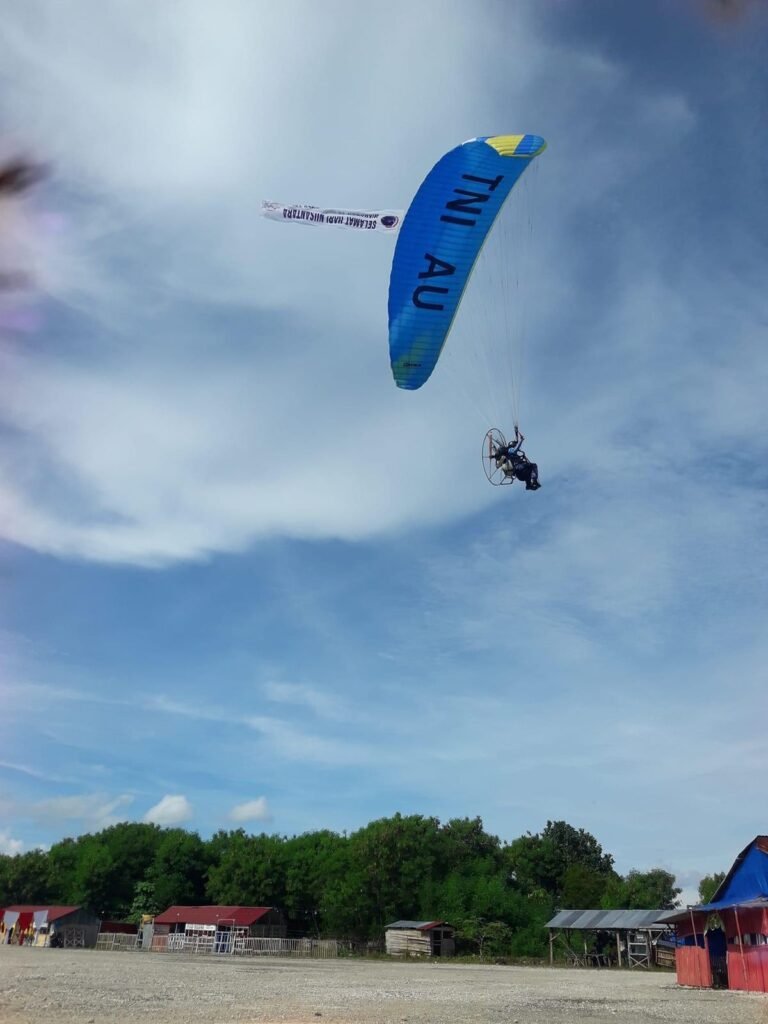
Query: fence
222, 943
117, 940
321, 949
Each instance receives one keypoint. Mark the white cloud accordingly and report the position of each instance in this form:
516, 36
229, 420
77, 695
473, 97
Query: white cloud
689, 881
17, 244
9, 846
33, 773
251, 810
320, 701
171, 810
159, 703
292, 743
93, 810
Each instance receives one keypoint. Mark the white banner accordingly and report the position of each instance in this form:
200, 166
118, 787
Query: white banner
358, 220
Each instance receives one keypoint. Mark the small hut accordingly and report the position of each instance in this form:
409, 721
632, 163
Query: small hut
419, 938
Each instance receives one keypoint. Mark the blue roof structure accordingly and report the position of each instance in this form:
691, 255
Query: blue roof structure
747, 879
746, 884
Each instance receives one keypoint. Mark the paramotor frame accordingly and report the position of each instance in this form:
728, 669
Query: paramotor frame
493, 441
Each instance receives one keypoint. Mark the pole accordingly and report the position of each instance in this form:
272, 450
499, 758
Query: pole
695, 943
551, 950
618, 947
741, 948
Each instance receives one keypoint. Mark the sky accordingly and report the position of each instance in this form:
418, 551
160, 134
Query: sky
245, 581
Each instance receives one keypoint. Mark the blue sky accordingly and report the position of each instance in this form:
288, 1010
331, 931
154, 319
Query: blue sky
245, 580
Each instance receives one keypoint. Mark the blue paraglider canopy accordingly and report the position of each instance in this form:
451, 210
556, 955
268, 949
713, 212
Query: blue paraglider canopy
442, 235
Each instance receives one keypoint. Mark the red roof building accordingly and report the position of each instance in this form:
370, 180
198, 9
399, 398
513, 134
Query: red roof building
52, 913
256, 922
33, 923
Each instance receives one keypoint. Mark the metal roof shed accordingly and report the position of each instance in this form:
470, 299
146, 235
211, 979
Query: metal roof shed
639, 929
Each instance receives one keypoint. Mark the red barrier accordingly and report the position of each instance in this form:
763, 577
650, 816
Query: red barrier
748, 968
693, 967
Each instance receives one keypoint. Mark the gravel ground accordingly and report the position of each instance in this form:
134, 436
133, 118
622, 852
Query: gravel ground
88, 987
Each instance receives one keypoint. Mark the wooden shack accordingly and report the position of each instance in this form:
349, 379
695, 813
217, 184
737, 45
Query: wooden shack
419, 938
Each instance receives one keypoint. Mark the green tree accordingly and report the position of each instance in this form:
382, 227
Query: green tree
62, 869
24, 878
534, 865
615, 895
179, 869
576, 846
489, 938
530, 939
93, 882
123, 853
347, 908
449, 899
5, 879
393, 857
311, 861
144, 902
539, 863
642, 890
709, 885
465, 841
249, 870
583, 888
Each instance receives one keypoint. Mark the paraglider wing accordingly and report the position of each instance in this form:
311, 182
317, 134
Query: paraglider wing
439, 242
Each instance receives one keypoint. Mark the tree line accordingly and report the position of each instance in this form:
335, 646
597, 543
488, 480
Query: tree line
498, 895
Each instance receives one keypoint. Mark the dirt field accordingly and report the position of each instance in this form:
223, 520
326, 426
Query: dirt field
85, 987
